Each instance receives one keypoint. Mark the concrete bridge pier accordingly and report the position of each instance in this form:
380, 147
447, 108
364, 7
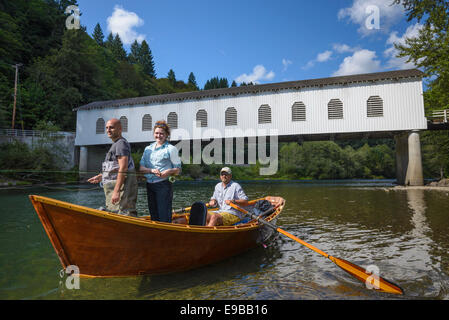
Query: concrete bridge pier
90, 159
408, 159
84, 156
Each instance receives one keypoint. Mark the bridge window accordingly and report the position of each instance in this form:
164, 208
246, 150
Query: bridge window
375, 107
298, 111
147, 124
172, 120
230, 117
100, 126
265, 114
335, 109
201, 118
124, 122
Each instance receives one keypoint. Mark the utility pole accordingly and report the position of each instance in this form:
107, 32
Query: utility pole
17, 65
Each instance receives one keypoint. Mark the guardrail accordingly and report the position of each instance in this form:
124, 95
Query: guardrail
34, 133
439, 116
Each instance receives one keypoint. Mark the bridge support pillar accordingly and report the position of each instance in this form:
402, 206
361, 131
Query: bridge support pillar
84, 156
408, 159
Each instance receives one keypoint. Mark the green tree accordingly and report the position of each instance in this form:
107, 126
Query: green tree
215, 83
192, 80
109, 41
75, 74
29, 29
98, 35
171, 77
430, 51
145, 57
117, 48
133, 56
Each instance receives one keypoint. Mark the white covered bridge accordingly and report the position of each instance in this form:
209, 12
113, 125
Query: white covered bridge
385, 104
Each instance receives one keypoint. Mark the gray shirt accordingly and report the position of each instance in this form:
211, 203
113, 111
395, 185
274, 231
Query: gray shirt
120, 147
232, 191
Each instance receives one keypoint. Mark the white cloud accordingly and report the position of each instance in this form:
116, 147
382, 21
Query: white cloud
286, 63
343, 48
123, 22
362, 61
321, 57
391, 52
366, 12
324, 56
259, 73
309, 64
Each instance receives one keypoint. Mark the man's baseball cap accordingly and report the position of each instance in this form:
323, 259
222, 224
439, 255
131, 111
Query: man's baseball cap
226, 169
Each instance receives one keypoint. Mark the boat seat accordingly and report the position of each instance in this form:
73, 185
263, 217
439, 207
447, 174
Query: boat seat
198, 213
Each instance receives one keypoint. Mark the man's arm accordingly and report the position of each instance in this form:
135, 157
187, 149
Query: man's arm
123, 168
212, 203
240, 202
213, 200
240, 197
95, 179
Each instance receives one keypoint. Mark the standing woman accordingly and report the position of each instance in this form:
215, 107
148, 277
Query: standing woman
160, 160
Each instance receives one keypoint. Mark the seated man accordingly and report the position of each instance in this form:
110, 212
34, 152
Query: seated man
225, 192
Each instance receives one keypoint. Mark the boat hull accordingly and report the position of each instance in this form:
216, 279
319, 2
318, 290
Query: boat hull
103, 244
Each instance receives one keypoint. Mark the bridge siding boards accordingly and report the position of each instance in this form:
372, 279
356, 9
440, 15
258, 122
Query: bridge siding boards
400, 91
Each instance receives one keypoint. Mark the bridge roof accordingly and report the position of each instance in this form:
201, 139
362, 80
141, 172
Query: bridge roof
369, 77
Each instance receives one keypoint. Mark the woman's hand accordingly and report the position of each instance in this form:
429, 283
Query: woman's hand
165, 173
169, 172
156, 172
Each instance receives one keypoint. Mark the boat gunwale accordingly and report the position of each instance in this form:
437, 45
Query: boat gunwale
251, 225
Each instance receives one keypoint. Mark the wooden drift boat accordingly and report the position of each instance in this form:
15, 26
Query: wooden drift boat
103, 244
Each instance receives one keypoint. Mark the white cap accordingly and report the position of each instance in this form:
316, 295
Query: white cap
226, 169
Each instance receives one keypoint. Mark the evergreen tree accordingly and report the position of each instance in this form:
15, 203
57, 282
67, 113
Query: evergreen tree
215, 83
109, 42
223, 83
65, 79
98, 35
171, 77
192, 80
117, 48
133, 56
146, 59
233, 84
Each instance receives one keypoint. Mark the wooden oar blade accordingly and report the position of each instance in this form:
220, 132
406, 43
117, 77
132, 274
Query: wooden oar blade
371, 280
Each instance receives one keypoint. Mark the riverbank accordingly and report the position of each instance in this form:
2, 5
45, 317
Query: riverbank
442, 185
5, 182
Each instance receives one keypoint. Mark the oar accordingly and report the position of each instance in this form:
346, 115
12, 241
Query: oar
182, 210
371, 280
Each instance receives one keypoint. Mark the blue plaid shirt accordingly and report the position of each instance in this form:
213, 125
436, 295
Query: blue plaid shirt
162, 158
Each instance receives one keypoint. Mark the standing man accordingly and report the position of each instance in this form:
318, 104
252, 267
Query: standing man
226, 191
118, 173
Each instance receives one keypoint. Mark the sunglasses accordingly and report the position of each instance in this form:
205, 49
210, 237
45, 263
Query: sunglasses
224, 174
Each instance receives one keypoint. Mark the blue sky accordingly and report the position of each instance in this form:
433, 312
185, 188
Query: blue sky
259, 41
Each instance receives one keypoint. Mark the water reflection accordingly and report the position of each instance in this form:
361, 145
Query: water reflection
417, 245
405, 232
417, 204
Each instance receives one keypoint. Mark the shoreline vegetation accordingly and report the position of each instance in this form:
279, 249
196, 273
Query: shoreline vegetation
323, 160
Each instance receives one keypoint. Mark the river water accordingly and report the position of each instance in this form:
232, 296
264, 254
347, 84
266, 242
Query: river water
404, 234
